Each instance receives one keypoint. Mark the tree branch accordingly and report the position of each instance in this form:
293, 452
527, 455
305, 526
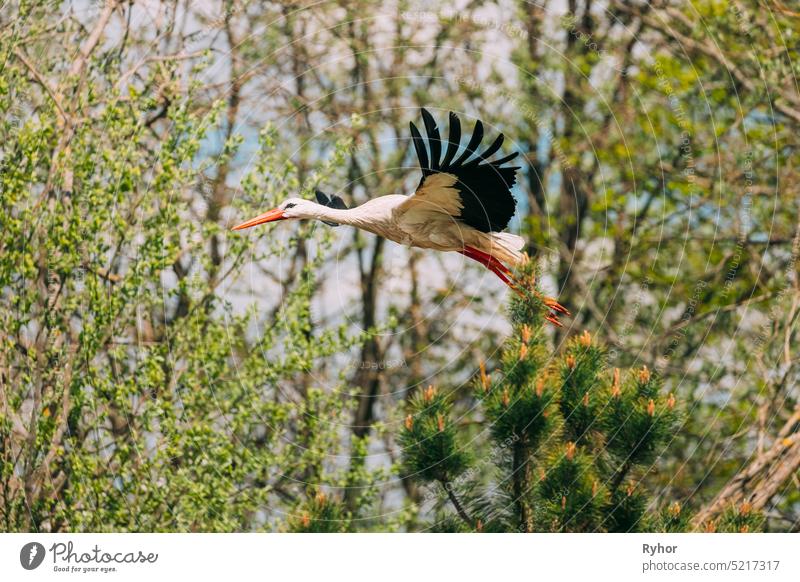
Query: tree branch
763, 478
462, 513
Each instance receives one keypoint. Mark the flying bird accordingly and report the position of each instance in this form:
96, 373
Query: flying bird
463, 203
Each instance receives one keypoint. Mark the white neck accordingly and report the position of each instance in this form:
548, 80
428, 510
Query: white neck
348, 216
375, 212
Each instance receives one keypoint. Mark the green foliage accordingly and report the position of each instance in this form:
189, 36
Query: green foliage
571, 440
741, 519
567, 496
673, 519
430, 440
135, 396
579, 377
319, 514
627, 511
637, 420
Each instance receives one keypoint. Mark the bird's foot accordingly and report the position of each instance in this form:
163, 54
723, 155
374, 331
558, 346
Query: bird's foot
519, 286
556, 310
555, 305
508, 278
554, 320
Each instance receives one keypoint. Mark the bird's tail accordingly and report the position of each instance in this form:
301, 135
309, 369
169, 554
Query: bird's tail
507, 247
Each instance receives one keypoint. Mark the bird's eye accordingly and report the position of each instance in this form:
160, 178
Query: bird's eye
290, 205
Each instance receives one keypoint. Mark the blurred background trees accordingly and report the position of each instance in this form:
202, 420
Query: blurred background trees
160, 373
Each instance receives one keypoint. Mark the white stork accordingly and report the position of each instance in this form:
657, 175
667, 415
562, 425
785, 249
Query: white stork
461, 204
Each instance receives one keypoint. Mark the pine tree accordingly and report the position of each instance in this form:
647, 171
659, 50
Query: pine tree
570, 440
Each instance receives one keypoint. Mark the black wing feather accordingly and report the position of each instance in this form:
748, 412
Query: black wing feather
474, 142
484, 187
489, 151
454, 140
508, 158
419, 145
434, 139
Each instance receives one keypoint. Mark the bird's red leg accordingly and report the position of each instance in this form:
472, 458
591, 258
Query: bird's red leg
489, 264
489, 258
555, 305
494, 265
510, 282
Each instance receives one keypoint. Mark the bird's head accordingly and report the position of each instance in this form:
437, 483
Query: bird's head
288, 209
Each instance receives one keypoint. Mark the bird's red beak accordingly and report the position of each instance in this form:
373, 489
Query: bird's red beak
272, 215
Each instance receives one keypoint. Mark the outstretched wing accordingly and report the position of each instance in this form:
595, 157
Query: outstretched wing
479, 194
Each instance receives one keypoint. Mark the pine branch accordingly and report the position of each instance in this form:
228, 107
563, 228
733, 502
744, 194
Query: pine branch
520, 472
462, 513
620, 475
761, 480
